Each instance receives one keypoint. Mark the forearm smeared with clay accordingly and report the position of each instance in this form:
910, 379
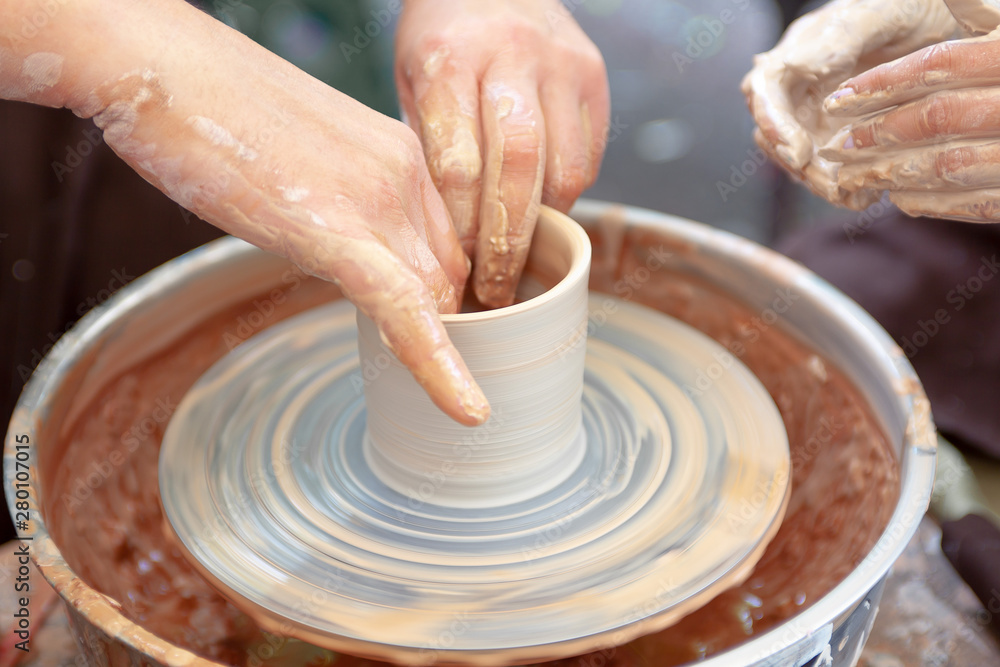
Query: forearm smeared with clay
976, 16
260, 149
788, 84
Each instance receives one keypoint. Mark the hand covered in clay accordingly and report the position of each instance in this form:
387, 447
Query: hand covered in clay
934, 139
787, 86
262, 150
510, 100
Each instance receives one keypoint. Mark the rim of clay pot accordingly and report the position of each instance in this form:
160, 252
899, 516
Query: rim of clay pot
59, 369
562, 229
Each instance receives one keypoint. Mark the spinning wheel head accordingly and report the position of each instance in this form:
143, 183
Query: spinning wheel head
609, 495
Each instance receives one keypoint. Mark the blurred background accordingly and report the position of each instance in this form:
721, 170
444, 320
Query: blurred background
76, 224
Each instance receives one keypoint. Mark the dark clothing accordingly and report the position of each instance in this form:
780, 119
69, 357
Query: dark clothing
935, 286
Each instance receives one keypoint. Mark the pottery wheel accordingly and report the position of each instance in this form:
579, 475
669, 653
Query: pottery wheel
266, 481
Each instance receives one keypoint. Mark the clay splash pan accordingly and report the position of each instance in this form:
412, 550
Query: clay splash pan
860, 437
606, 471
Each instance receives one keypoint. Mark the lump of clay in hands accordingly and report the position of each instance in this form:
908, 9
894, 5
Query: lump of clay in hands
788, 85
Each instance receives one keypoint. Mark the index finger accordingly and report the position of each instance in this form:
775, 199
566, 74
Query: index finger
964, 114
447, 107
513, 129
967, 63
401, 304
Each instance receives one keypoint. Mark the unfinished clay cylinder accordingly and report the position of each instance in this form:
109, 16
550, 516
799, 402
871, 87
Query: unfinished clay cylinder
529, 360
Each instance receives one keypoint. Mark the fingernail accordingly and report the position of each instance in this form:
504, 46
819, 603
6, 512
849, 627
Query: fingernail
849, 142
474, 405
843, 92
840, 101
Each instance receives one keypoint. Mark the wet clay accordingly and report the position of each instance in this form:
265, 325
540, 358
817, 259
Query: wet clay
976, 16
104, 510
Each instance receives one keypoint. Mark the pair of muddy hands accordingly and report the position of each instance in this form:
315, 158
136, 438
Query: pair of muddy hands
865, 96
507, 105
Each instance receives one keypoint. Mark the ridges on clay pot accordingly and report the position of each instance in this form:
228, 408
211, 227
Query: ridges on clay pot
529, 360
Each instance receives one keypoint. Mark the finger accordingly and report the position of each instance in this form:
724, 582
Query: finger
595, 113
968, 166
383, 286
444, 244
410, 238
764, 143
447, 108
966, 206
568, 145
967, 63
945, 115
513, 132
820, 176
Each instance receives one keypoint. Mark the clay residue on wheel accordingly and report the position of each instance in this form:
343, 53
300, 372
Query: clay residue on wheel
105, 512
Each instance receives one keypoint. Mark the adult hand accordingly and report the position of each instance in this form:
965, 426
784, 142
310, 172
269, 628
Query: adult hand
262, 150
934, 139
510, 100
788, 84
